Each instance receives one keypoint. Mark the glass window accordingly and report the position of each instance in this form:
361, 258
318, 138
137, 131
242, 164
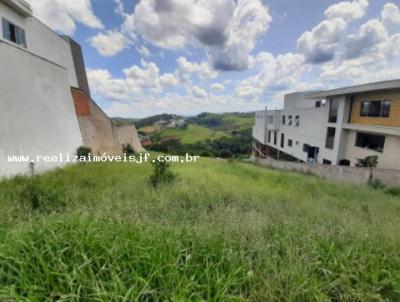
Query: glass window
330, 138
370, 141
297, 121
333, 110
375, 108
13, 33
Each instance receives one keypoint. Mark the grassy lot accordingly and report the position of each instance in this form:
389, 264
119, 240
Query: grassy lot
225, 231
192, 134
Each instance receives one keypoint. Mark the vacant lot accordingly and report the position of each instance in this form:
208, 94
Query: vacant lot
224, 231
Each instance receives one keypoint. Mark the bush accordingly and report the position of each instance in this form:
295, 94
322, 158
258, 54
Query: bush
376, 184
394, 191
161, 174
39, 196
83, 152
128, 149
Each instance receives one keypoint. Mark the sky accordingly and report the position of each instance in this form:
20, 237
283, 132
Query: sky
145, 57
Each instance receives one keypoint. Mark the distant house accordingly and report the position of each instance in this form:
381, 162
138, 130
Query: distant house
333, 127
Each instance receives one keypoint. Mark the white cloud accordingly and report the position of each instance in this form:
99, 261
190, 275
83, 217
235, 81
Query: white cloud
110, 43
101, 82
186, 69
62, 15
319, 44
227, 30
390, 14
144, 51
217, 87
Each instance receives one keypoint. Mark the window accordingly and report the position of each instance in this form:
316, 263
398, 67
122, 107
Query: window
282, 140
275, 137
326, 162
370, 141
333, 111
290, 120
270, 119
290, 143
318, 104
13, 33
297, 121
306, 147
283, 119
330, 138
375, 108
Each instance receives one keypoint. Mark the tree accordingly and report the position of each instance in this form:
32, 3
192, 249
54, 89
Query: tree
369, 162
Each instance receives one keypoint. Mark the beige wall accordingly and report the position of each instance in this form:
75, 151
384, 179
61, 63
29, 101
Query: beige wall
389, 159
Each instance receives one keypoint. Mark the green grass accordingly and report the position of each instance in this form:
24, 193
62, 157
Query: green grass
238, 122
192, 134
225, 231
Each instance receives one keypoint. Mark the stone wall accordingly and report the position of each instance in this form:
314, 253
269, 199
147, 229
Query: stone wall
336, 173
98, 131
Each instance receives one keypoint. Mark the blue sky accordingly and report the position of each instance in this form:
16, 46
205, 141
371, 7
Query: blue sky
188, 56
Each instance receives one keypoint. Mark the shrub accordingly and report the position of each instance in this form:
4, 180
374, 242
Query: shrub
375, 184
128, 149
161, 174
394, 191
83, 152
41, 196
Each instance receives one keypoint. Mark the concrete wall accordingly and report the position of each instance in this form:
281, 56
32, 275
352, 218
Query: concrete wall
98, 131
42, 41
335, 173
37, 115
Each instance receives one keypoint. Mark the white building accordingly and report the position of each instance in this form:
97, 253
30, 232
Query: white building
37, 115
335, 127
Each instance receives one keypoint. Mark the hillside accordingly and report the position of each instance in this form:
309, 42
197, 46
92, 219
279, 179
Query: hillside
207, 134
190, 134
225, 231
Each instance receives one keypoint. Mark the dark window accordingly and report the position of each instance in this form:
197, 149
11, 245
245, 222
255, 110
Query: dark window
375, 108
306, 147
290, 120
297, 121
344, 162
370, 141
326, 162
290, 143
283, 119
275, 137
318, 104
330, 138
13, 33
333, 110
282, 140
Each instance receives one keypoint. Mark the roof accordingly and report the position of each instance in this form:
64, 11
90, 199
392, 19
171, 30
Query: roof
378, 86
20, 6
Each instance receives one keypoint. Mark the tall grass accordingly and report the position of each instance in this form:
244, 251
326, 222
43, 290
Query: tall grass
225, 231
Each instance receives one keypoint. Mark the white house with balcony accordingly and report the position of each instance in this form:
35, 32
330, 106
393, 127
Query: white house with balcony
334, 127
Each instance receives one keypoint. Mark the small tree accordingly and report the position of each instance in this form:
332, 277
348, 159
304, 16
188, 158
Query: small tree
83, 153
161, 173
128, 149
369, 162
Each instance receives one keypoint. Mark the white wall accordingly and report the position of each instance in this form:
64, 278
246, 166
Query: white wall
42, 41
259, 129
389, 159
37, 115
